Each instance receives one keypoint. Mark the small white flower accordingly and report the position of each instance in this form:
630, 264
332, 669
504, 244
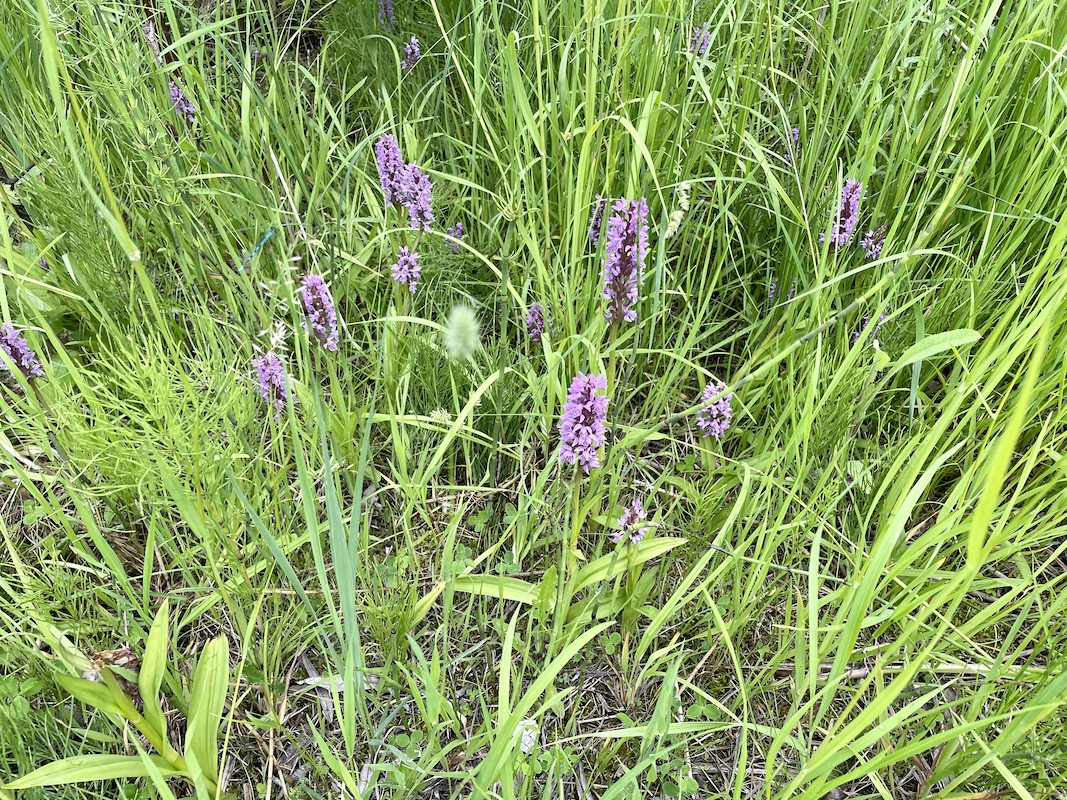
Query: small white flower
673, 224
683, 195
529, 731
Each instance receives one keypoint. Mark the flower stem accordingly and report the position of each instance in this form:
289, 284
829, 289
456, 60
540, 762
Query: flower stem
576, 526
612, 355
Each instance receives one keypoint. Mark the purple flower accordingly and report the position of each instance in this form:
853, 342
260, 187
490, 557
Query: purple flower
714, 419
581, 429
406, 268
596, 222
535, 321
391, 169
18, 352
271, 374
456, 232
792, 147
701, 39
386, 17
873, 242
792, 290
848, 212
322, 315
771, 289
412, 54
630, 524
418, 197
863, 326
623, 258
182, 104
404, 184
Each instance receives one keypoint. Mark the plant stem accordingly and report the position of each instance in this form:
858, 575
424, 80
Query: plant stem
576, 526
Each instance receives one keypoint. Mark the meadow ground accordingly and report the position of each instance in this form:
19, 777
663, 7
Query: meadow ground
801, 534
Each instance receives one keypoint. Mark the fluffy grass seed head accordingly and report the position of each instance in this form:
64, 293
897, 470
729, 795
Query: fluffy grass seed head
674, 222
682, 193
460, 335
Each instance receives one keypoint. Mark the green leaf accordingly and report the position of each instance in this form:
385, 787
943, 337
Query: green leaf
881, 358
152, 666
608, 566
932, 345
74, 659
208, 695
507, 734
546, 597
499, 586
93, 768
91, 693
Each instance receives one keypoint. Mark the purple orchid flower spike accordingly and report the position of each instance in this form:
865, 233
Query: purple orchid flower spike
581, 429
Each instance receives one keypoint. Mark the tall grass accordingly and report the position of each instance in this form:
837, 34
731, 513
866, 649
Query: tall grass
393, 588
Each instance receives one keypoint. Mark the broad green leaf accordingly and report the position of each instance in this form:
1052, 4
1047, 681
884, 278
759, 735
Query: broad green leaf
74, 659
546, 598
932, 345
208, 695
504, 687
157, 777
80, 769
499, 586
152, 667
91, 693
608, 566
881, 358
425, 603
